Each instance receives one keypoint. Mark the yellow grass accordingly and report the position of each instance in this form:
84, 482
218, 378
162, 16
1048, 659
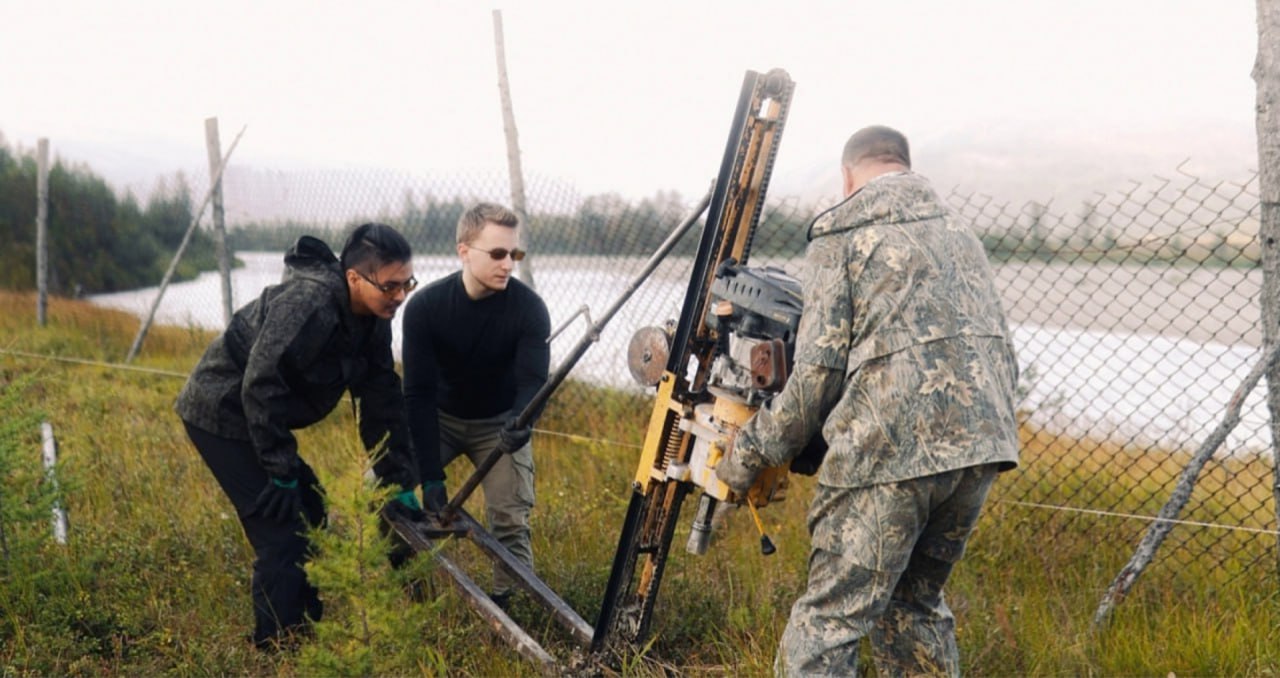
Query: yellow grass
154, 580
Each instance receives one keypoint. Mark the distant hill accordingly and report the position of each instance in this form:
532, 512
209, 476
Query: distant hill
1018, 162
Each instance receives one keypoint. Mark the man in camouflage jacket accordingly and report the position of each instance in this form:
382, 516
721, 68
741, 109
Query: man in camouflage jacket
903, 362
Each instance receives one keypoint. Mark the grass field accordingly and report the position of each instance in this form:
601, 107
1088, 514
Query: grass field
154, 579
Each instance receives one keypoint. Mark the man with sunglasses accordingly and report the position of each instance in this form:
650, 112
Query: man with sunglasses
284, 363
475, 354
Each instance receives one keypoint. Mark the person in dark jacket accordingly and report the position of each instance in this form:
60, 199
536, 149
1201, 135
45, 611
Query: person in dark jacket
475, 354
284, 363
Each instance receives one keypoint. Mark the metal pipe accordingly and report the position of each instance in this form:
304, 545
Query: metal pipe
700, 531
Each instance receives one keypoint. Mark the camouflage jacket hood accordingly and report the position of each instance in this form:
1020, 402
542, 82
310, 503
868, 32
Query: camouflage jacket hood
287, 358
895, 198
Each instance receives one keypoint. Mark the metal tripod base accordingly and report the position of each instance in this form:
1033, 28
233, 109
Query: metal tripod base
420, 536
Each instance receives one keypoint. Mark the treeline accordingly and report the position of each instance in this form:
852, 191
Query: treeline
97, 242
600, 225
1090, 238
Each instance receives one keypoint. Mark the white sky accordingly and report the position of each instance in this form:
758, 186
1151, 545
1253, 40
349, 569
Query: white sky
632, 98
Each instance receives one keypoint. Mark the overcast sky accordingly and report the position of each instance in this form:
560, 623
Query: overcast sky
632, 98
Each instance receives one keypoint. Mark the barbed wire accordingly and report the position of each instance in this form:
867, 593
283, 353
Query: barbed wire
93, 363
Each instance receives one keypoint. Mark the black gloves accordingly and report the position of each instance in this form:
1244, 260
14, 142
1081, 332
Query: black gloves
512, 439
434, 495
280, 501
810, 458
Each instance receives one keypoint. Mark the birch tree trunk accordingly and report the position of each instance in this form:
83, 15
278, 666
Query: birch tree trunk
524, 269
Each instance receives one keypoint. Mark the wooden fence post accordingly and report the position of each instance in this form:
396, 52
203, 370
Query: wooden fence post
524, 268
1266, 75
219, 222
177, 256
42, 231
1182, 490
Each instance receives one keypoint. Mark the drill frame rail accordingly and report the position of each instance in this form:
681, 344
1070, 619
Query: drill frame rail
658, 495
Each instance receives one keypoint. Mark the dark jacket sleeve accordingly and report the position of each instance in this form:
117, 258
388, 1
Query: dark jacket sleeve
382, 412
294, 331
533, 356
420, 385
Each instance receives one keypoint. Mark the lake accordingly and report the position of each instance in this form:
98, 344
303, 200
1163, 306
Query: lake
1142, 355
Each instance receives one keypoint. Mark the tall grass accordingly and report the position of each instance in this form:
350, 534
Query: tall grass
154, 579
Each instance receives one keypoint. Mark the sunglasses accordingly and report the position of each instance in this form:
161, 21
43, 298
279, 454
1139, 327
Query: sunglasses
391, 289
500, 253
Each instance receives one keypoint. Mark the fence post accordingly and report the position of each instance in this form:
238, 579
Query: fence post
219, 223
42, 231
1182, 490
524, 268
50, 450
177, 256
1266, 75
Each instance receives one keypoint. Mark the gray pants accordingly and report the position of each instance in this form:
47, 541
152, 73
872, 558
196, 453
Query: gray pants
508, 487
880, 557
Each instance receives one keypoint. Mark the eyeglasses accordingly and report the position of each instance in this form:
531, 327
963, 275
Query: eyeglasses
500, 253
391, 289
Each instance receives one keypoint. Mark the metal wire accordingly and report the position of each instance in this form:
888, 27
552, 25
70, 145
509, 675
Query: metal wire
1134, 313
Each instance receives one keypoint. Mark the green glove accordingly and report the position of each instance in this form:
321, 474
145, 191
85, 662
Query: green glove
434, 495
405, 503
410, 500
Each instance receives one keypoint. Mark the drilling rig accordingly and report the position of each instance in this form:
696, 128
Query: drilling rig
729, 351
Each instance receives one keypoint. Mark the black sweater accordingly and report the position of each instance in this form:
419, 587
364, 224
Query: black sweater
470, 359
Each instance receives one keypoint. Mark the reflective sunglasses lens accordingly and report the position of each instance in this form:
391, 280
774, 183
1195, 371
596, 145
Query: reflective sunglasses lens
502, 253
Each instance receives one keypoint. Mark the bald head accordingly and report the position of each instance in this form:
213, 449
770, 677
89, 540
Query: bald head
870, 152
877, 142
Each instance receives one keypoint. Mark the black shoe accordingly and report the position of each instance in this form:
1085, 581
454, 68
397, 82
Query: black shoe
285, 640
283, 643
502, 600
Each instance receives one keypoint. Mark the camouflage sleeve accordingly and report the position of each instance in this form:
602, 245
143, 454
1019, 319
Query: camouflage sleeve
382, 412
826, 325
780, 430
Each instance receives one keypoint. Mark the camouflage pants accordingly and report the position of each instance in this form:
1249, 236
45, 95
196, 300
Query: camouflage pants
508, 487
880, 557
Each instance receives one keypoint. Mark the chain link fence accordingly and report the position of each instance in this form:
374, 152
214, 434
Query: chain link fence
1135, 316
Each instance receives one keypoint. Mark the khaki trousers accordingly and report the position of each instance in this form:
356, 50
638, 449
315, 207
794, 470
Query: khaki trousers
508, 487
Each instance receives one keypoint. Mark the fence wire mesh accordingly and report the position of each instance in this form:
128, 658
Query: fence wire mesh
1134, 313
